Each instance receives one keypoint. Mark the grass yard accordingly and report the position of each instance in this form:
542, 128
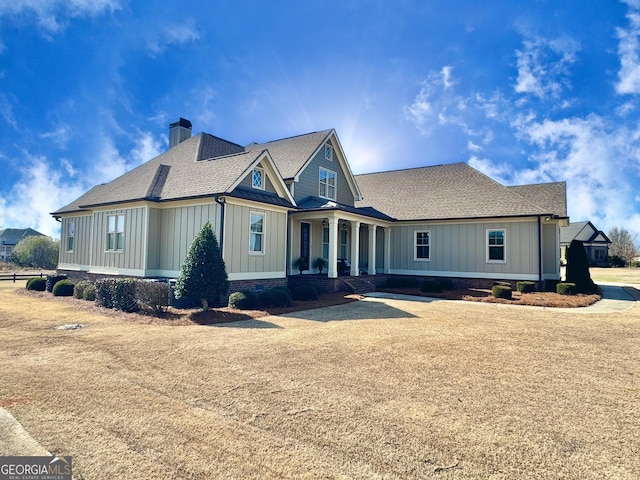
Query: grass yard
392, 389
616, 275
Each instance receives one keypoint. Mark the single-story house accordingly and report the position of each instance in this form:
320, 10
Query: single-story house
272, 203
595, 242
9, 238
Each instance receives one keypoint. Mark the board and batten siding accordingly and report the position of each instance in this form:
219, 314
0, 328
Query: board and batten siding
244, 265
551, 250
131, 259
460, 248
177, 228
80, 257
309, 182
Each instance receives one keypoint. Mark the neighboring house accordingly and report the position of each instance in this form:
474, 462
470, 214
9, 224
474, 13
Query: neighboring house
9, 238
274, 202
595, 242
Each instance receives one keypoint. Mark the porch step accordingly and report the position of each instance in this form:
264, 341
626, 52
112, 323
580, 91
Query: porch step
359, 285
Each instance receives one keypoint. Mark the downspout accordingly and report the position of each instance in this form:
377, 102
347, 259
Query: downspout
540, 280
221, 233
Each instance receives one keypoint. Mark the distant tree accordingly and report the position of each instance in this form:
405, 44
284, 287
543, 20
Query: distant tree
36, 251
203, 275
578, 268
622, 244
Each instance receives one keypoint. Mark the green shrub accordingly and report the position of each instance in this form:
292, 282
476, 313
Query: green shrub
104, 292
63, 288
501, 291
152, 296
124, 295
305, 292
274, 298
78, 291
39, 284
89, 293
245, 300
566, 288
526, 287
401, 282
52, 280
502, 284
285, 289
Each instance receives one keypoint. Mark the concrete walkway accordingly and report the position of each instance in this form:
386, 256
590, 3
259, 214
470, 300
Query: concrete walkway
15, 441
615, 298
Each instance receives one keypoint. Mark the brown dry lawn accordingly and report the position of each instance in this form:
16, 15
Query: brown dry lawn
387, 389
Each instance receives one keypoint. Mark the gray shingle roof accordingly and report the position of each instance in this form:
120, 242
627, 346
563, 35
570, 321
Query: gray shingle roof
11, 236
573, 230
291, 154
548, 196
448, 191
185, 171
312, 203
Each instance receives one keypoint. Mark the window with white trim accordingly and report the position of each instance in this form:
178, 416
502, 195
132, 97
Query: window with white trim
325, 243
328, 152
256, 233
327, 184
422, 247
344, 246
496, 246
71, 234
257, 178
115, 232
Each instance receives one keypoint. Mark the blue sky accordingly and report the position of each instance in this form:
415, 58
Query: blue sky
525, 91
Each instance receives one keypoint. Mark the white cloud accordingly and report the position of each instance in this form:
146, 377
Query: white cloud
446, 76
172, 35
60, 135
629, 52
543, 66
431, 104
39, 191
51, 15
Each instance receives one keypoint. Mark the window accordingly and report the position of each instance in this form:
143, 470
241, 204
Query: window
257, 178
422, 246
328, 152
71, 233
325, 243
343, 244
327, 184
115, 232
496, 246
256, 233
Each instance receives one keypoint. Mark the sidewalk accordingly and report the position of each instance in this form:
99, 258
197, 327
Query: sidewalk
15, 439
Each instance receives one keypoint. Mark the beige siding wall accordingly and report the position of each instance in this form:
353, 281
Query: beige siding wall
153, 253
309, 183
81, 254
236, 247
460, 247
178, 227
132, 256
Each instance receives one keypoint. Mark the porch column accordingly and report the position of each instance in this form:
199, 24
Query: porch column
355, 248
387, 249
332, 271
372, 250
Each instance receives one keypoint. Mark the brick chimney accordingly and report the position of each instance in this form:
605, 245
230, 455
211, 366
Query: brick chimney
179, 132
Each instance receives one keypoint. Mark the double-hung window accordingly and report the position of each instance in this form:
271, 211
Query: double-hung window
325, 243
496, 246
256, 233
71, 234
115, 232
344, 246
257, 178
422, 246
327, 184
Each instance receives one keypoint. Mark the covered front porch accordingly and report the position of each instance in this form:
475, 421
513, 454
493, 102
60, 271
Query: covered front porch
350, 244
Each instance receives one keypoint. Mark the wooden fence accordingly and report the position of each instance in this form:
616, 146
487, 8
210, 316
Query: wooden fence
19, 276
